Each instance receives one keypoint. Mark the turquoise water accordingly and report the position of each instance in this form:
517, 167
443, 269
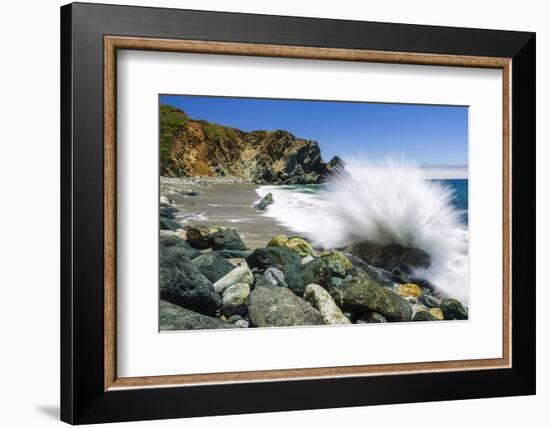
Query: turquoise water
460, 200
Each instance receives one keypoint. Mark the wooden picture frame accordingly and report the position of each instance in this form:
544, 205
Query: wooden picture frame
91, 390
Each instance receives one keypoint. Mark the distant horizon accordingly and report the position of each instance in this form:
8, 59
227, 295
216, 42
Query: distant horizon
433, 137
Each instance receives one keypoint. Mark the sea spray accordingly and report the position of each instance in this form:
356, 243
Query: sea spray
386, 203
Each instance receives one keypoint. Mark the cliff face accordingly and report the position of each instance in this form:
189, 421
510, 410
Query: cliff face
190, 147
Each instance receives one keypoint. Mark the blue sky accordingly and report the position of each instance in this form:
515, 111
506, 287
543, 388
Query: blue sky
423, 134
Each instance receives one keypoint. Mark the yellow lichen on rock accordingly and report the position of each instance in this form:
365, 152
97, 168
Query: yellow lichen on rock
436, 312
278, 241
298, 245
409, 290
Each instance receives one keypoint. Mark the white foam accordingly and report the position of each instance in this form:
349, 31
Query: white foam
385, 202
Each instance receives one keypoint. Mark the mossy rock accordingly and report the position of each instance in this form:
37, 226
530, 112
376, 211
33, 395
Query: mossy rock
296, 244
300, 246
201, 236
363, 294
453, 310
424, 316
212, 265
314, 272
173, 317
337, 262
280, 257
278, 241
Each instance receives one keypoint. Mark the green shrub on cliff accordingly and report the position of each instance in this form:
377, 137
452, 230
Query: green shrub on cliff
172, 121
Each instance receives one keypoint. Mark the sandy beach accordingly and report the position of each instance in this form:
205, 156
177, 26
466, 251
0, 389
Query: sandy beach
226, 204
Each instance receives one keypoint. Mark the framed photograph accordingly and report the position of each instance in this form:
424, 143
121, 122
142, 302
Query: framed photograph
265, 213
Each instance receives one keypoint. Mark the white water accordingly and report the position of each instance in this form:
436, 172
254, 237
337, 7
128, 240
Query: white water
385, 203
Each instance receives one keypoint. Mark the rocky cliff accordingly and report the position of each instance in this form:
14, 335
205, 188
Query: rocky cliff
191, 147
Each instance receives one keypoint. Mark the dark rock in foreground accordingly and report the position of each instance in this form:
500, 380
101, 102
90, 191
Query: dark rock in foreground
362, 294
424, 316
314, 272
212, 265
227, 239
168, 224
215, 237
200, 236
233, 254
170, 246
428, 301
280, 307
391, 256
173, 317
279, 257
185, 286
168, 212
453, 310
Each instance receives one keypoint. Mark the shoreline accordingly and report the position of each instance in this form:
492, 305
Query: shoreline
222, 202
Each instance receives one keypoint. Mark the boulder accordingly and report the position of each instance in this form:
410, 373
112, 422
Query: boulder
278, 241
296, 244
274, 276
409, 290
168, 224
234, 300
321, 300
233, 319
361, 268
428, 301
227, 239
424, 316
200, 236
453, 310
265, 202
187, 287
233, 254
170, 245
212, 265
399, 276
362, 294
300, 246
280, 307
279, 257
242, 323
337, 262
173, 317
314, 272
390, 256
168, 212
436, 312
374, 318
241, 274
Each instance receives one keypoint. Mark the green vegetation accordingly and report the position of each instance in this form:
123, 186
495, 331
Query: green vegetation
172, 121
215, 132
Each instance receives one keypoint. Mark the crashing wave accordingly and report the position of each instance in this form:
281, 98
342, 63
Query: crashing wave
387, 203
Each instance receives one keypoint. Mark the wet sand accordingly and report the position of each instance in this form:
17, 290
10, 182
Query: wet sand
230, 205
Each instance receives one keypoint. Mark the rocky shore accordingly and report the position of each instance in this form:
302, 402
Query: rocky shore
209, 279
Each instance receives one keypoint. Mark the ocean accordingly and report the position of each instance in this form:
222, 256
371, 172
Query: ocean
389, 205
